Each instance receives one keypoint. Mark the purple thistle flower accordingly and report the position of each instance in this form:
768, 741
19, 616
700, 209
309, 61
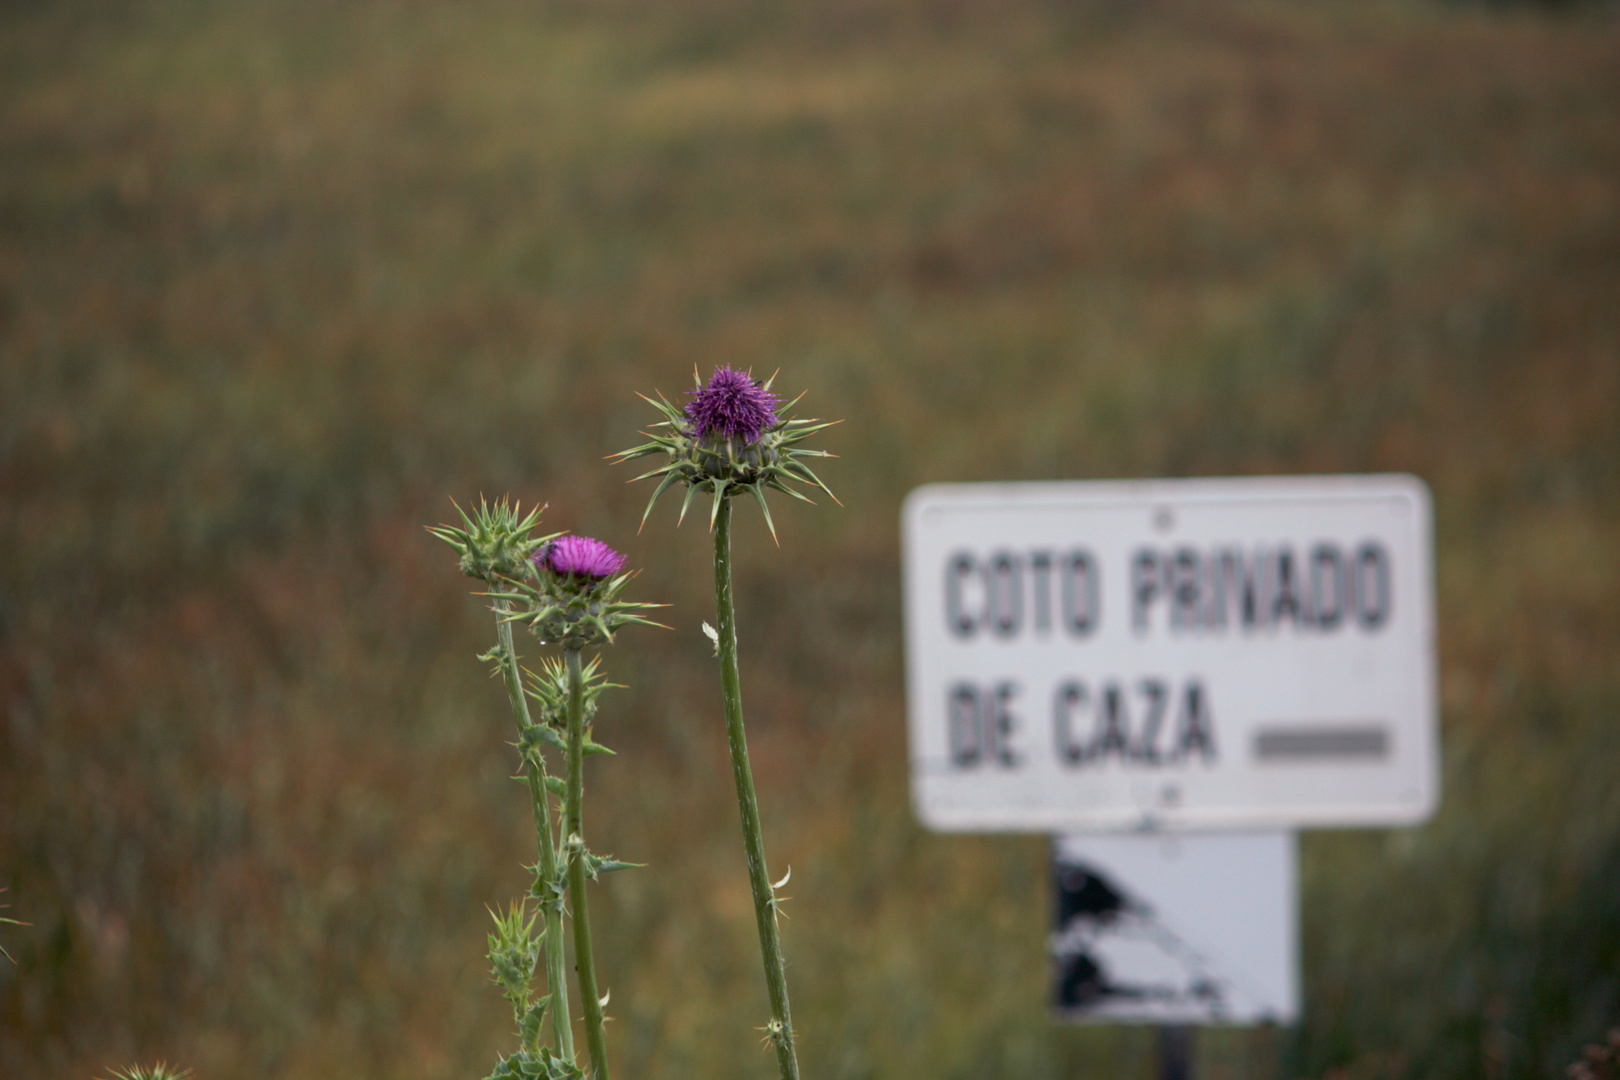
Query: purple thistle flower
580, 556
733, 405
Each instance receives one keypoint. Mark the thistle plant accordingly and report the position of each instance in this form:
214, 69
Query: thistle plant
495, 543
567, 590
734, 436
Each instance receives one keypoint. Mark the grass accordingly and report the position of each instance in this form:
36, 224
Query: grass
278, 277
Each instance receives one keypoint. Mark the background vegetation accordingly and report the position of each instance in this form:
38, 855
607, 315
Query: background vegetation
277, 277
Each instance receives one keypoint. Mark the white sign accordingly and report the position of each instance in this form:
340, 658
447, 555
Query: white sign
1171, 653
1176, 928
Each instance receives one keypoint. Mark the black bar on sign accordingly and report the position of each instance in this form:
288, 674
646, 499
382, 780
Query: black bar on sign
1316, 743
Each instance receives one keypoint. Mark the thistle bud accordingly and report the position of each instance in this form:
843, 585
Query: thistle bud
494, 541
548, 687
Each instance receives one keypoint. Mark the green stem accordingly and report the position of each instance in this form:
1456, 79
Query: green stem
770, 944
574, 827
562, 1028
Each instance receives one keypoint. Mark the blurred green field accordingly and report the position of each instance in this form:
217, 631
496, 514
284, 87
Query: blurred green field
278, 277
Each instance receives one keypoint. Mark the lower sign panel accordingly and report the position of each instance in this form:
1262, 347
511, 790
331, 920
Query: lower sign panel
1193, 928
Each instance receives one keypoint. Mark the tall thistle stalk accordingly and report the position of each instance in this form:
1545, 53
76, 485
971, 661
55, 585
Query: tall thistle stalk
780, 1028
566, 590
546, 878
729, 438
574, 825
567, 690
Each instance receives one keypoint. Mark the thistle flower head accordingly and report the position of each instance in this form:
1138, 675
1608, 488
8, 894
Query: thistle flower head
733, 435
579, 556
730, 405
572, 597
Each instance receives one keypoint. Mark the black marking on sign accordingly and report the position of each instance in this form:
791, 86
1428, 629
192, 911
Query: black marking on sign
1337, 742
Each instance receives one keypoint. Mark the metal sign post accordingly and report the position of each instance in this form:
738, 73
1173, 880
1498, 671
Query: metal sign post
1175, 1052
